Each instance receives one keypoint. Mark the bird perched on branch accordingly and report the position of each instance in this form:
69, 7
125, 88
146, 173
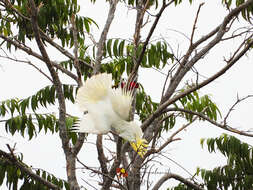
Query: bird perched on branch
108, 109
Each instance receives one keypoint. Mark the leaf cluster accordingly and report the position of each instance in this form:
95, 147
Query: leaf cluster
54, 18
237, 173
21, 121
14, 176
203, 104
156, 55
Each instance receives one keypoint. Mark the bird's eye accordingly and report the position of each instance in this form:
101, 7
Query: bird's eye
85, 112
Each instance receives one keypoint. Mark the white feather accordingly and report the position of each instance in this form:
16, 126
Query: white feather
99, 118
95, 89
121, 102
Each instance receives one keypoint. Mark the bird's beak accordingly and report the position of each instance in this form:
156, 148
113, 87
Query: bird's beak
140, 146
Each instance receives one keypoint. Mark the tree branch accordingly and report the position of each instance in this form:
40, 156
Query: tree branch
62, 50
100, 51
56, 80
70, 157
101, 173
29, 63
76, 61
101, 156
44, 36
151, 31
170, 139
12, 160
176, 177
108, 181
29, 51
232, 107
195, 22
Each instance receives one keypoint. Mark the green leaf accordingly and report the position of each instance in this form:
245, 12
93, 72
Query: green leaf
121, 48
108, 47
115, 48
87, 25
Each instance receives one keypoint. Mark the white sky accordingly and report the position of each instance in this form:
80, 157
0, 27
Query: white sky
17, 80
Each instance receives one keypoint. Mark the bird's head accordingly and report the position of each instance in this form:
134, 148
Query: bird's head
135, 138
131, 132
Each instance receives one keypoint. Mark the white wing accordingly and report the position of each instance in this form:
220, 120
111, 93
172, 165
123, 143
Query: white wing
121, 102
94, 98
95, 89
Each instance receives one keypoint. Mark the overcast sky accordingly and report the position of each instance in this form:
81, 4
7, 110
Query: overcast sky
17, 80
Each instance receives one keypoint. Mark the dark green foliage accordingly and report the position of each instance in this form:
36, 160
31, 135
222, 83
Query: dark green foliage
191, 103
53, 18
43, 97
16, 178
156, 56
144, 104
238, 172
22, 122
198, 104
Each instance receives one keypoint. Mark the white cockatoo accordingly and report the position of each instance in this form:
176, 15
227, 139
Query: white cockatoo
108, 109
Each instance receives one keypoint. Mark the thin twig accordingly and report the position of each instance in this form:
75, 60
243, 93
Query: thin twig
101, 156
202, 116
233, 106
195, 22
101, 173
170, 139
151, 31
29, 63
29, 51
76, 61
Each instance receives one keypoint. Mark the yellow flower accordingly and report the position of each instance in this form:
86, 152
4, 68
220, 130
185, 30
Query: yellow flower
140, 146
